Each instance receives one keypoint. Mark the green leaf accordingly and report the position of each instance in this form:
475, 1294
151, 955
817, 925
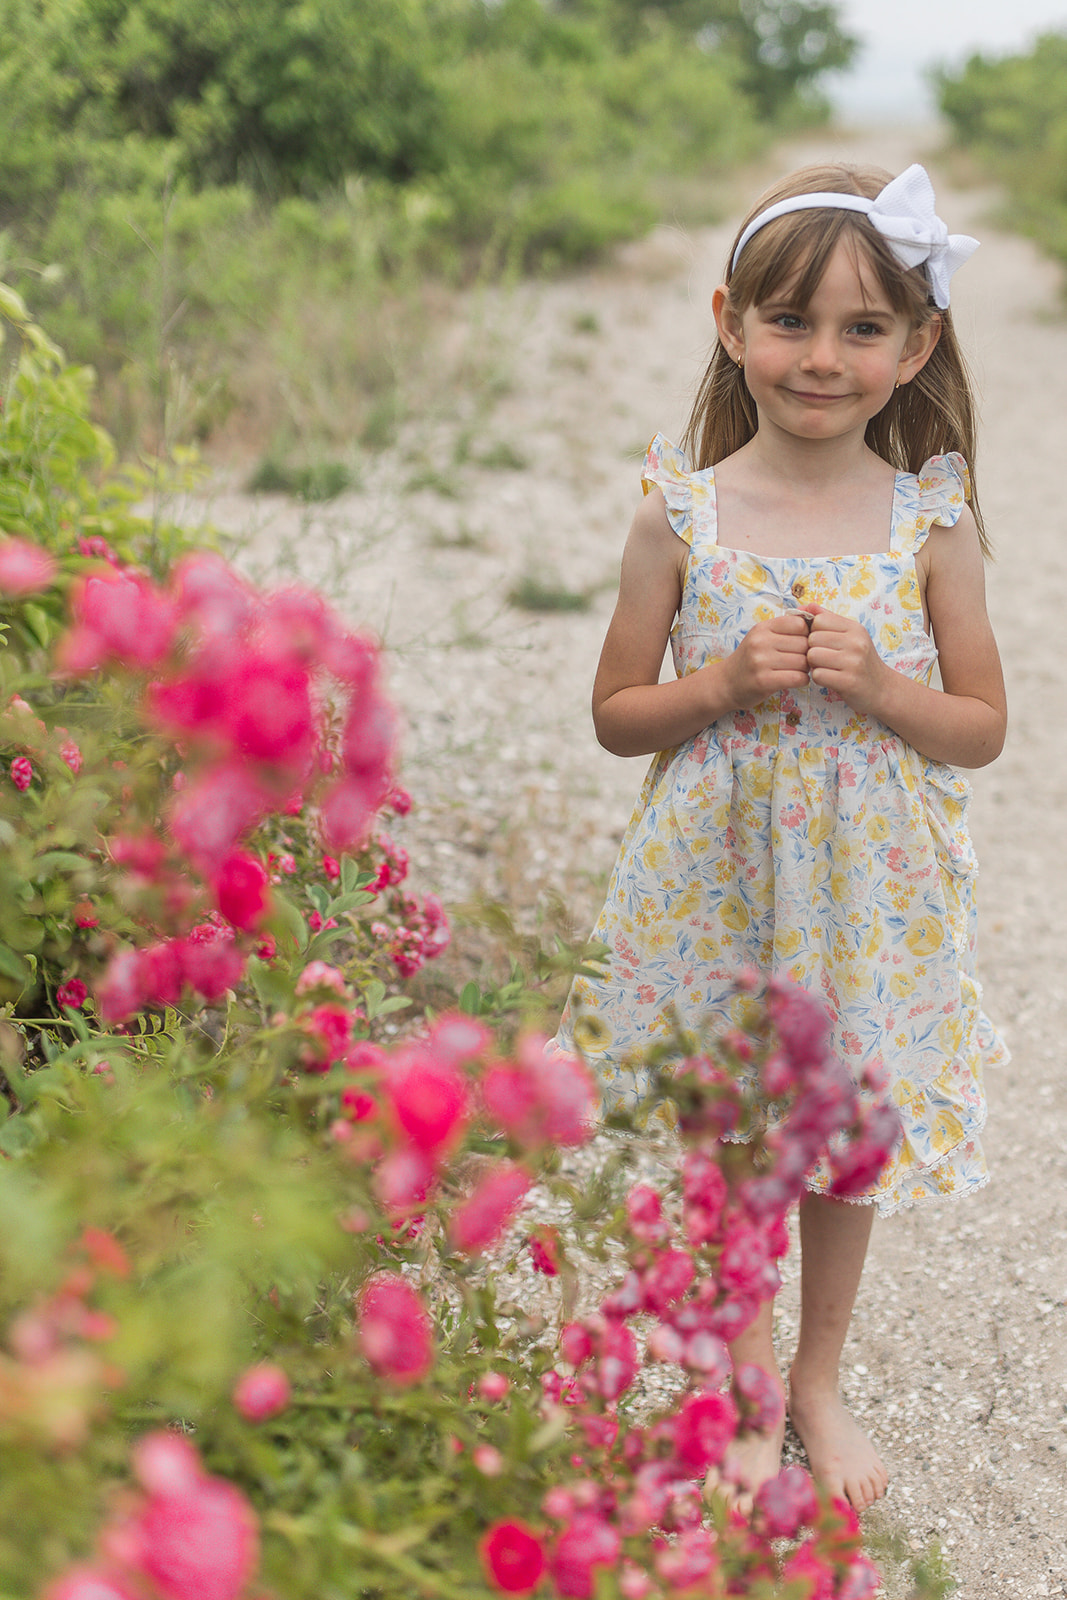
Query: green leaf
17, 1136
39, 622
12, 965
56, 861
272, 985
470, 999
291, 919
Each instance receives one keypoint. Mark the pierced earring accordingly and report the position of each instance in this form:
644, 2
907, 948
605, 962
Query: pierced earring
740, 363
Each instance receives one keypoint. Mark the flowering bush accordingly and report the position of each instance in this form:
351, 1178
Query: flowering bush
248, 1222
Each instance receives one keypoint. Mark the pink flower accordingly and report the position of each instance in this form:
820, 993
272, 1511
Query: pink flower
394, 1332
545, 1247
320, 975
331, 867
199, 1543
24, 568
118, 614
221, 804
242, 890
266, 709
482, 1217
72, 755
120, 993
761, 1399
84, 915
73, 993
21, 773
644, 1208
210, 966
488, 1460
588, 1542
330, 1030
429, 1099
261, 1391
513, 1557
348, 809
96, 546
400, 801
785, 1503
493, 1386
703, 1429
210, 595
688, 1560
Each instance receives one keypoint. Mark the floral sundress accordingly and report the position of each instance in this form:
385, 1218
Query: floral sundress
807, 840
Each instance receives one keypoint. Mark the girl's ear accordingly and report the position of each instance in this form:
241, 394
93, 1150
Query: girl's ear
918, 349
728, 323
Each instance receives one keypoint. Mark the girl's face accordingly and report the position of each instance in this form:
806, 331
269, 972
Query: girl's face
822, 372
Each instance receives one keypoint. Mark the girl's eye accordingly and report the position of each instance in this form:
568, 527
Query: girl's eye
866, 330
789, 319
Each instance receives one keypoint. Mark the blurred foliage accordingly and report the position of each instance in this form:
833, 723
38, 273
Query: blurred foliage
182, 178
1010, 112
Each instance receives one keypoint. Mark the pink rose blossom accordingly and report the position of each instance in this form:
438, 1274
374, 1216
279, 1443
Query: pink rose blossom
588, 1542
71, 754
261, 1392
513, 1557
242, 890
786, 1502
429, 1099
24, 568
21, 773
394, 1332
703, 1428
482, 1217
73, 993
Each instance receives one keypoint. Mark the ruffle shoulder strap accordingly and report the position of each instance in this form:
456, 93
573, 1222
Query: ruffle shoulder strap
690, 496
938, 492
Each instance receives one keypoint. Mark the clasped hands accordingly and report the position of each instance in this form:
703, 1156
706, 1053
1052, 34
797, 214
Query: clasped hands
812, 644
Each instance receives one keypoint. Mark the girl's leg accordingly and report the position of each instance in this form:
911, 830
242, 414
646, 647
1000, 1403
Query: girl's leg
833, 1242
758, 1456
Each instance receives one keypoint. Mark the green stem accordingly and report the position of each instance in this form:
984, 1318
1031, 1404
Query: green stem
373, 1545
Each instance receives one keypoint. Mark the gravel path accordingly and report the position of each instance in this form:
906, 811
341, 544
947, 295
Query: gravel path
957, 1358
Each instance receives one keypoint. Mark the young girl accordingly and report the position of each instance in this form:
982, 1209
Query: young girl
804, 815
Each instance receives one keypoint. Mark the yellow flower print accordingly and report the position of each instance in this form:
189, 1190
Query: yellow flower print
878, 827
655, 855
591, 1033
708, 949
819, 829
950, 1035
891, 636
756, 780
687, 904
658, 937
862, 584
752, 576
902, 985
908, 597
786, 942
925, 935
854, 982
763, 612
734, 913
839, 887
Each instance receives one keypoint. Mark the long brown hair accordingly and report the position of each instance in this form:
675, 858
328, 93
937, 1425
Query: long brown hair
931, 415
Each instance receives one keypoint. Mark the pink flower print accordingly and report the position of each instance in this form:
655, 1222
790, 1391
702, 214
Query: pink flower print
846, 773
792, 815
896, 859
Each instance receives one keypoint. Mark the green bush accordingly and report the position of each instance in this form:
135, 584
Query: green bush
1011, 112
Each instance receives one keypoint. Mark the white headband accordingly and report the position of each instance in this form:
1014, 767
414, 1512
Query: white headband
905, 217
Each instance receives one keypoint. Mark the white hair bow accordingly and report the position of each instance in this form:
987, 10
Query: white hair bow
904, 215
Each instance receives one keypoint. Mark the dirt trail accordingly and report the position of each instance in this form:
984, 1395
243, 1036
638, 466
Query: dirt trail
957, 1358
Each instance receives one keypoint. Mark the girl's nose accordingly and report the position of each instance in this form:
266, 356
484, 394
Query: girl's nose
822, 353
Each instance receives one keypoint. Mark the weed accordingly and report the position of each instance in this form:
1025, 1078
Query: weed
532, 593
585, 322
436, 482
319, 480
503, 457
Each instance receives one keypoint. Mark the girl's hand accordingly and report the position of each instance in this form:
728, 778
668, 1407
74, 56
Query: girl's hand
772, 656
841, 655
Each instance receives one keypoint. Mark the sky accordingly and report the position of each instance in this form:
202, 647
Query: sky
901, 38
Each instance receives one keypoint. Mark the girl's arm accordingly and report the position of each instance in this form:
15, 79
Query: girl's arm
633, 713
965, 724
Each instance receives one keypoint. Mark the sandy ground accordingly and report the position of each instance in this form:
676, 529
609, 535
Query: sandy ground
957, 1359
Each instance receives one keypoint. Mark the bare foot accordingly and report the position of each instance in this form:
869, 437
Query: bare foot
747, 1465
842, 1458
